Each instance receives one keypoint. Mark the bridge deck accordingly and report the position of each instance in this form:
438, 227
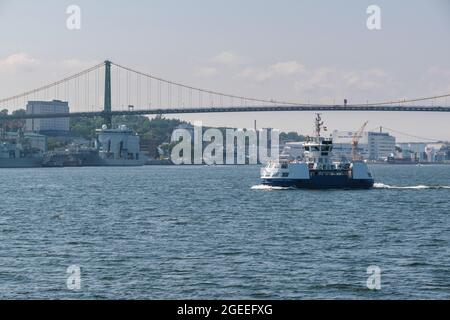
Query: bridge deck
383, 108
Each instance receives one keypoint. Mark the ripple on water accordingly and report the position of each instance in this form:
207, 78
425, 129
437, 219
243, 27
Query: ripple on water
192, 232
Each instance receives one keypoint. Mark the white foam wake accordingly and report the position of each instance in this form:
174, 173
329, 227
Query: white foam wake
418, 187
266, 187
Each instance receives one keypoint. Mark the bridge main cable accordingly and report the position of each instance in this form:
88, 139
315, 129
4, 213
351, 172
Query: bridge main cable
273, 102
53, 84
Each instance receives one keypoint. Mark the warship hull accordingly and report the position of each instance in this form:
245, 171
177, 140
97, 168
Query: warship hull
90, 158
120, 163
21, 163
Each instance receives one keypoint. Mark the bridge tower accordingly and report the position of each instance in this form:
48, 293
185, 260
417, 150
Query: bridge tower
107, 102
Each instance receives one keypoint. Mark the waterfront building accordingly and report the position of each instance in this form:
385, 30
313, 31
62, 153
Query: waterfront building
376, 146
435, 152
413, 151
381, 145
342, 145
47, 125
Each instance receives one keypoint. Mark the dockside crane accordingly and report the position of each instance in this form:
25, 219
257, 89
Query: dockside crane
355, 141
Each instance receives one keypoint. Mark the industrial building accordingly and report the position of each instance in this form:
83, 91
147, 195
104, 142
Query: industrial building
48, 125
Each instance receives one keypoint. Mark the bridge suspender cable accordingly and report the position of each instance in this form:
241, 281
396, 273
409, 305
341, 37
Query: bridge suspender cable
392, 102
209, 95
51, 85
170, 83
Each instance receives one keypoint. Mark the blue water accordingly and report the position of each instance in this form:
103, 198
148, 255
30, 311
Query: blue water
212, 232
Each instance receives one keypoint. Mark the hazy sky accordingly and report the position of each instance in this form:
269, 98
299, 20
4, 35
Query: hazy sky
316, 51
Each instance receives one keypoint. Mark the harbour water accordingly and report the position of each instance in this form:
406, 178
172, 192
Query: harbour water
167, 232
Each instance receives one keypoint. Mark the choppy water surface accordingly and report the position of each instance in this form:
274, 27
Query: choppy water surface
214, 232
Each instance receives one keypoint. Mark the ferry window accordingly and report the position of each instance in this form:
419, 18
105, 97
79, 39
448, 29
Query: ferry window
306, 148
316, 148
285, 174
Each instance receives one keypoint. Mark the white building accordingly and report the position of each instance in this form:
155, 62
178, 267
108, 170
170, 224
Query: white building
381, 145
371, 145
50, 124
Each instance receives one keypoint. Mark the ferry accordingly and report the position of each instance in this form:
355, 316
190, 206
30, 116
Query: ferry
317, 170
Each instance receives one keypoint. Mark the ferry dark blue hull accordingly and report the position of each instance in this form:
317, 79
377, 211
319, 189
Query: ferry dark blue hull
322, 182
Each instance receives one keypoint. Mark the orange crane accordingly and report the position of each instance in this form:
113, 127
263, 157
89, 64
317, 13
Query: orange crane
355, 141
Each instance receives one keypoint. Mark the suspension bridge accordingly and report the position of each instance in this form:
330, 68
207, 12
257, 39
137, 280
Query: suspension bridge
109, 89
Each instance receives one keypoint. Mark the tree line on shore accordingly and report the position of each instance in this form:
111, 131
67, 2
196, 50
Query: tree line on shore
153, 132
